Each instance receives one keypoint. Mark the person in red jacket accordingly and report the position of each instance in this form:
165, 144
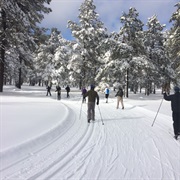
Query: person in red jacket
175, 107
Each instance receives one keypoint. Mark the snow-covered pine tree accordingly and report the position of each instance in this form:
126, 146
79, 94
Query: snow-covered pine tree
88, 33
173, 45
44, 60
40, 37
18, 20
60, 60
131, 30
77, 66
156, 55
113, 66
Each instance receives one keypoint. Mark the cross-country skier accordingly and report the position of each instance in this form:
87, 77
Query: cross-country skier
58, 90
106, 91
119, 96
175, 107
92, 97
67, 90
48, 90
84, 91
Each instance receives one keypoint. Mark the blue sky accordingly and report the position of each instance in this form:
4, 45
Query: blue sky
109, 12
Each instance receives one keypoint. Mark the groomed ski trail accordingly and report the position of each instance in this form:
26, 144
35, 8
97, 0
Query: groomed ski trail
125, 147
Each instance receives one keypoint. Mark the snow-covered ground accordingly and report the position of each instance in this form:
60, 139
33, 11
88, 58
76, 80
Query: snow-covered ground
46, 139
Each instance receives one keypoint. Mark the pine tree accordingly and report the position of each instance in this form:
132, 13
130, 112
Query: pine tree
61, 59
88, 33
173, 44
114, 57
44, 60
18, 21
156, 55
131, 32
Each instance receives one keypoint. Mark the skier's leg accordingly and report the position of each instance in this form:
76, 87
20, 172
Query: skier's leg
178, 121
107, 97
93, 111
89, 112
175, 123
122, 104
118, 102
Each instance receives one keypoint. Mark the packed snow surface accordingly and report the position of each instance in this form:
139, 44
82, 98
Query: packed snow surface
43, 138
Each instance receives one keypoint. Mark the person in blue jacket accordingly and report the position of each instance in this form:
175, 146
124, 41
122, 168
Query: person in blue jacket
106, 91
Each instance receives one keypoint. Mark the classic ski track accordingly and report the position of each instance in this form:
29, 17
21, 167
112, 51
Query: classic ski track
59, 164
26, 159
38, 149
83, 152
53, 168
64, 160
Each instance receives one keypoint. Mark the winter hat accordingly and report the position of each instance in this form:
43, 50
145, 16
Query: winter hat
92, 86
176, 89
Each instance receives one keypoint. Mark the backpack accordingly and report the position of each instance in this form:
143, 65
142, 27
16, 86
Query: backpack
58, 88
120, 93
84, 91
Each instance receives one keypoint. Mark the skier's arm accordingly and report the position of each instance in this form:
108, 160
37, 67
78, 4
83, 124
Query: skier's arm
85, 95
167, 98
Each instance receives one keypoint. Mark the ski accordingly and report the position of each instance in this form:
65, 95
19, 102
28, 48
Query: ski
91, 121
177, 137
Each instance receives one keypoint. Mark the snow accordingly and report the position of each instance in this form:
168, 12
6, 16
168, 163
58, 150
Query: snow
43, 138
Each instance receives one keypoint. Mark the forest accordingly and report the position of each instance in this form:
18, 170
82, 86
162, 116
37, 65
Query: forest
135, 57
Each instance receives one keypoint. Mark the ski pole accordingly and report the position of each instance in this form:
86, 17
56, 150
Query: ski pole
80, 111
157, 111
101, 116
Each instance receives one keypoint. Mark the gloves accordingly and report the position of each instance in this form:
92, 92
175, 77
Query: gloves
97, 103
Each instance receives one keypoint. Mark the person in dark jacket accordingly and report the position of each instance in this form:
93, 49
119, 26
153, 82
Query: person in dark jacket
92, 97
119, 96
175, 107
48, 90
58, 90
67, 90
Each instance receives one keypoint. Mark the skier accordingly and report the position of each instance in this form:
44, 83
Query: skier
48, 90
119, 96
106, 91
92, 96
58, 90
175, 107
67, 90
84, 91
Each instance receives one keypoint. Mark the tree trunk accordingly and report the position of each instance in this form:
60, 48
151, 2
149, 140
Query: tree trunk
127, 82
18, 84
3, 44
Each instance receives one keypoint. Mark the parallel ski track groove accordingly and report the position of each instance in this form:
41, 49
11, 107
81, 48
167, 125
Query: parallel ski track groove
64, 157
61, 167
37, 151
